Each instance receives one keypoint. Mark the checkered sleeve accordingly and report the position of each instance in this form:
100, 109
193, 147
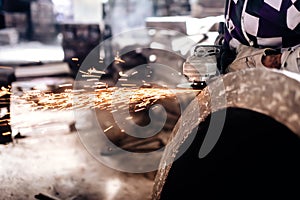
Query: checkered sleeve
263, 23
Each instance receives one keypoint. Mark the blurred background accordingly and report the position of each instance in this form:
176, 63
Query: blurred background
48, 45
60, 30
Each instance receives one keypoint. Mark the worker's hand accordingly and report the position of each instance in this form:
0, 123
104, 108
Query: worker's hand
272, 61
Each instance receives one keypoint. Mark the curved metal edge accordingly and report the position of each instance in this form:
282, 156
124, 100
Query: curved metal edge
270, 92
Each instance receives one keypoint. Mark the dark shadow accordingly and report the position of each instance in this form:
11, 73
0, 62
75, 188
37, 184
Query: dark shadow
255, 157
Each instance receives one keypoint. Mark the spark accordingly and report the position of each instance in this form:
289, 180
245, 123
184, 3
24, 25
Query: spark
95, 95
92, 80
122, 74
65, 85
134, 73
118, 59
6, 133
107, 129
94, 70
129, 85
109, 98
138, 110
4, 91
90, 76
83, 72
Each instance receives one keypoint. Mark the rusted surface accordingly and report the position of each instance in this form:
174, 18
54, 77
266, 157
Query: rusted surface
270, 92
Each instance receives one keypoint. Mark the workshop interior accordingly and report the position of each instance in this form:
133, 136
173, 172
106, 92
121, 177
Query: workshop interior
131, 100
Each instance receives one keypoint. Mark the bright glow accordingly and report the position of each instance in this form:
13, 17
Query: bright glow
112, 187
152, 58
62, 2
41, 87
87, 11
31, 52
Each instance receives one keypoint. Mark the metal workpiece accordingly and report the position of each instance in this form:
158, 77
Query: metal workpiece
271, 93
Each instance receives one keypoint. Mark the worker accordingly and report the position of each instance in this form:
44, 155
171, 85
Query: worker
261, 33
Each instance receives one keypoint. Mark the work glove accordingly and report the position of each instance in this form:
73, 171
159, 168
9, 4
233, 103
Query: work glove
291, 60
250, 57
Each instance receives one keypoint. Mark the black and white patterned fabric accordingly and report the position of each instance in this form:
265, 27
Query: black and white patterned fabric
263, 23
